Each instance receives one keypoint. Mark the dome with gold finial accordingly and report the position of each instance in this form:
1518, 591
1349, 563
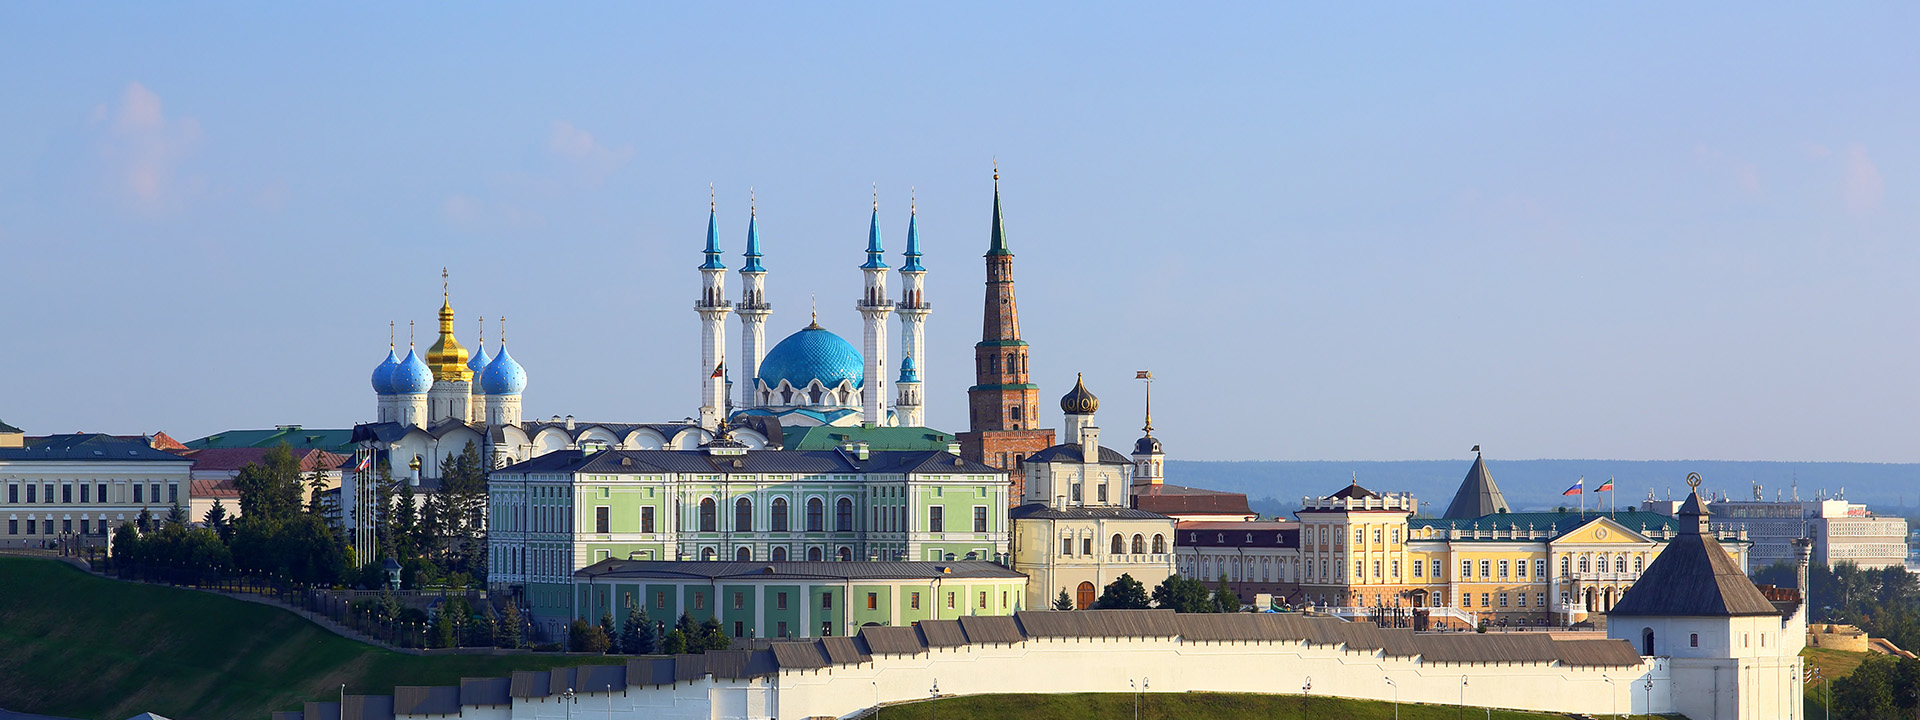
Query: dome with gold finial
1080, 401
447, 358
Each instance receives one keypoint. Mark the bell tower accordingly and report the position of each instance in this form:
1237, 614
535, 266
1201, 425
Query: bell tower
1003, 406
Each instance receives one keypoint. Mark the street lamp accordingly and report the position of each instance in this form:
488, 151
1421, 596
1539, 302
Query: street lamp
876, 698
1649, 698
1396, 698
933, 711
1463, 696
1305, 687
1615, 692
569, 696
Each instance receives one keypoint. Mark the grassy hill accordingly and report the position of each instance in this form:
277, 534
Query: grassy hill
79, 646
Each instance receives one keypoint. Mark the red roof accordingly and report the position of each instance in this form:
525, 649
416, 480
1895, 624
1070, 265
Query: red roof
232, 459
1181, 500
222, 488
161, 441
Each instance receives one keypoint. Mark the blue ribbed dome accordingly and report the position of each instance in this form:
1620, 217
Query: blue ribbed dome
383, 374
813, 354
479, 365
503, 376
412, 376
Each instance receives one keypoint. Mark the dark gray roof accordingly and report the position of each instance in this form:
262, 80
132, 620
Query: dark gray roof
370, 707
1693, 577
529, 684
1071, 452
747, 571
5, 428
893, 640
89, 447
426, 700
1477, 496
1041, 511
650, 671
486, 691
750, 462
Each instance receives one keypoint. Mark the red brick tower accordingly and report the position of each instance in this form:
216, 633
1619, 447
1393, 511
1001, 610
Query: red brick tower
1004, 403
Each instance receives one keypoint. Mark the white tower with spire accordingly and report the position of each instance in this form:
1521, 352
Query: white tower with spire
874, 307
713, 307
754, 310
914, 310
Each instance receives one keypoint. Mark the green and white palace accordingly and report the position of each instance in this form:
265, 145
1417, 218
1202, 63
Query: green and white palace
560, 512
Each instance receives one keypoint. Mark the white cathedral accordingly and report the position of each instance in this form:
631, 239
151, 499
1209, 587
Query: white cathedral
428, 408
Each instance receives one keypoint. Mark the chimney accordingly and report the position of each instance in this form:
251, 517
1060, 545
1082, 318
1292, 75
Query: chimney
861, 450
569, 422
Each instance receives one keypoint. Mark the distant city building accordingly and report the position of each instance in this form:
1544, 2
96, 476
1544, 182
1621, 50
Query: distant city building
562, 511
1075, 531
1842, 532
83, 485
795, 599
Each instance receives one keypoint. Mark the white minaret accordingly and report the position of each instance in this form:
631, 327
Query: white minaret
874, 307
754, 310
713, 308
913, 317
909, 406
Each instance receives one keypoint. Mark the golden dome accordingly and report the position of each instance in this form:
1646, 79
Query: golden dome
446, 358
1079, 401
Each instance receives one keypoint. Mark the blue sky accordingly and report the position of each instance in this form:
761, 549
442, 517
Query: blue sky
1626, 231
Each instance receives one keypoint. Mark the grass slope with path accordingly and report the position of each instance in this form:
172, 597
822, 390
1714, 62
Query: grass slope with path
76, 645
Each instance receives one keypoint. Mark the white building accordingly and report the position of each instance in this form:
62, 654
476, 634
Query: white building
83, 484
1842, 532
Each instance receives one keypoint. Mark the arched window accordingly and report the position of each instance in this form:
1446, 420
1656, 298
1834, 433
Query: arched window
1083, 596
1139, 545
816, 515
1119, 544
779, 554
1693, 640
1563, 566
1646, 641
1013, 413
779, 515
844, 554
743, 515
1159, 544
843, 515
707, 512
1639, 563
743, 555
1584, 564
813, 554
707, 554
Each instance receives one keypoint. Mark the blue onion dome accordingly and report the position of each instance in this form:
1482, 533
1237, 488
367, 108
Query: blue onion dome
383, 374
814, 354
479, 363
909, 372
503, 376
1079, 400
412, 376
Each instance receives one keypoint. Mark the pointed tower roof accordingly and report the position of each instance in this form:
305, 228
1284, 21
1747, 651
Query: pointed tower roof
1694, 576
874, 253
1478, 496
753, 242
913, 243
713, 240
998, 246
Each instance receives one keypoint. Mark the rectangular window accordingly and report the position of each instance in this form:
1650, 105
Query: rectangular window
1066, 546
30, 526
949, 599
979, 519
49, 495
1520, 599
1540, 568
1376, 568
602, 519
1503, 568
739, 628
13, 494
1439, 599
739, 601
1103, 492
1396, 536
66, 526
1466, 569
86, 526
936, 519
699, 601
646, 519
660, 599
916, 601
780, 601
1540, 599
826, 629
1359, 536
33, 494
782, 629
66, 493
1376, 537
1086, 546
13, 527
102, 488
983, 599
1484, 567
1503, 599
1483, 601
173, 492
85, 492
137, 497
1520, 568
1438, 572
1419, 568
826, 601
1396, 568
155, 489
873, 601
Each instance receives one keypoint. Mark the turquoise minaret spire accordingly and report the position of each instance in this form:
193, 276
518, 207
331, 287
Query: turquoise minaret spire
713, 239
753, 244
913, 244
754, 310
874, 261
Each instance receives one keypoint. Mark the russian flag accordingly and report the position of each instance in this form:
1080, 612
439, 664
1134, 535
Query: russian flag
1576, 489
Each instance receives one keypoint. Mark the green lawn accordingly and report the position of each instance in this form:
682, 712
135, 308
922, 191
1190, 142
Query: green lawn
75, 645
1185, 706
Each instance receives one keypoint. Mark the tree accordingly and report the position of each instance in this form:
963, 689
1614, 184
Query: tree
445, 634
711, 637
126, 544
1064, 601
1183, 595
636, 638
320, 501
144, 520
1224, 598
270, 490
1124, 593
216, 519
481, 632
405, 526
586, 637
509, 635
177, 515
607, 629
675, 643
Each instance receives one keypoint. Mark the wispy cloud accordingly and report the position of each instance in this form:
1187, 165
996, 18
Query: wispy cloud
588, 158
1864, 187
574, 160
143, 151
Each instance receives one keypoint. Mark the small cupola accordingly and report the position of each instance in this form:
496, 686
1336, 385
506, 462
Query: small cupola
1079, 401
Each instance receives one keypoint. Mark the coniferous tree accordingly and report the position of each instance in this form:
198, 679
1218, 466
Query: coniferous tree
636, 636
712, 637
509, 635
383, 498
586, 637
1224, 598
406, 522
177, 515
217, 521
1064, 602
675, 643
607, 629
649, 636
144, 520
688, 627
